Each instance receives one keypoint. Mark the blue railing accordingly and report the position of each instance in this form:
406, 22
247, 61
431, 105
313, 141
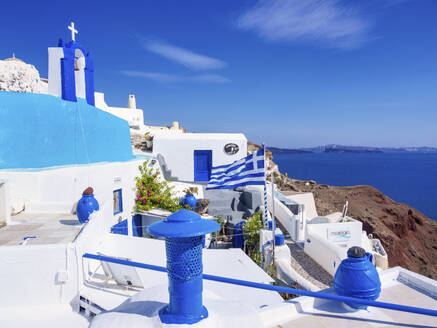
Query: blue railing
280, 289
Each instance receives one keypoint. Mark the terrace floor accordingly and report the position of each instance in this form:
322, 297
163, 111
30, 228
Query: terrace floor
332, 314
51, 228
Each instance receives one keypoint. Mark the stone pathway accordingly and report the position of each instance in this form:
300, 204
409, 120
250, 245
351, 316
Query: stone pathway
307, 267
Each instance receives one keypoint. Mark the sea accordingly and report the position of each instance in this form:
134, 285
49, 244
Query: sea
409, 178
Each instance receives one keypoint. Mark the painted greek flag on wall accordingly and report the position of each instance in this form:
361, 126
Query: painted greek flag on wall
244, 172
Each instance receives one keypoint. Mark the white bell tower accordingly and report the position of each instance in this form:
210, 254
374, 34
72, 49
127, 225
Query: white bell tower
131, 103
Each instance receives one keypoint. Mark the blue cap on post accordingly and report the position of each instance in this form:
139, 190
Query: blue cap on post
184, 232
182, 224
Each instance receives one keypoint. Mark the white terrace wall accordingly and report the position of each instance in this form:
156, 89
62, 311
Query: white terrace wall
5, 206
38, 275
293, 224
325, 244
178, 150
51, 274
307, 200
91, 238
134, 117
56, 190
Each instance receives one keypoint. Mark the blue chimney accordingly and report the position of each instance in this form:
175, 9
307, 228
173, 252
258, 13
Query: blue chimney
184, 232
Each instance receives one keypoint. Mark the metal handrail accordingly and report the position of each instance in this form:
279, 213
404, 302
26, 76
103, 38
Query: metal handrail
280, 289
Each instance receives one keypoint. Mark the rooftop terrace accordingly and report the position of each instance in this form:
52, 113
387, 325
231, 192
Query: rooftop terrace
47, 228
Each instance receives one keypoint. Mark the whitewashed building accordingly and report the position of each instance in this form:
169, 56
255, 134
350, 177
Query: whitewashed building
133, 115
190, 156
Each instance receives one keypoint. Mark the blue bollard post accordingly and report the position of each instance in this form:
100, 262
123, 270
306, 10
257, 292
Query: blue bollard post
184, 232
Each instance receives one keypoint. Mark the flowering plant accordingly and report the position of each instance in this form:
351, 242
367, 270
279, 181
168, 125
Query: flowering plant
153, 192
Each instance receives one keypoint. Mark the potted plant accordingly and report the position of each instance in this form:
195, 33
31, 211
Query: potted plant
189, 198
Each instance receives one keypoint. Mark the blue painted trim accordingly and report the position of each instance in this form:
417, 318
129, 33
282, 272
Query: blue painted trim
120, 228
68, 82
287, 290
119, 192
137, 226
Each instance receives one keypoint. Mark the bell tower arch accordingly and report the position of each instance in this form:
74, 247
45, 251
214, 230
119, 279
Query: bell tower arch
71, 71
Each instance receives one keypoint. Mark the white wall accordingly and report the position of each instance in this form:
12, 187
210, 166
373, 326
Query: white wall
79, 76
134, 117
90, 239
56, 190
53, 273
231, 263
5, 204
327, 250
178, 150
31, 275
55, 55
293, 224
307, 200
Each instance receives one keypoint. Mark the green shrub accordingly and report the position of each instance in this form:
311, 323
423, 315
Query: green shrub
222, 222
153, 192
251, 230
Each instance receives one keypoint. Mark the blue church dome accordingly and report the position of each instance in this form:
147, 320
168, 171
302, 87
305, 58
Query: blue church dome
43, 131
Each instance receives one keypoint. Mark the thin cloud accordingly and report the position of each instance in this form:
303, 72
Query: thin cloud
173, 78
183, 56
329, 22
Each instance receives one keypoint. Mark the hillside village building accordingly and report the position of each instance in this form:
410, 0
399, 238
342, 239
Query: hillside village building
89, 140
64, 151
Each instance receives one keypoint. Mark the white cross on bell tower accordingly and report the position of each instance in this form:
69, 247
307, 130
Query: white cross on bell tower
73, 31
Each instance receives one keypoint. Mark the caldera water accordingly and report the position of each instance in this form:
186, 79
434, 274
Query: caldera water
409, 178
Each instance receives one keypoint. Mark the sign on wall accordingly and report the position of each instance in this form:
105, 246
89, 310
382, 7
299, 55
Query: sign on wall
231, 148
339, 234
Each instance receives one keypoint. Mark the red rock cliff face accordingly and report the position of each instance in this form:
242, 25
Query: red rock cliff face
409, 237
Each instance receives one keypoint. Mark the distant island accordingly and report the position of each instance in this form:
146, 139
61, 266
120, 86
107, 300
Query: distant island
333, 148
288, 151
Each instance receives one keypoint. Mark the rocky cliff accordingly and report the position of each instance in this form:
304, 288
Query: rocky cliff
409, 237
17, 76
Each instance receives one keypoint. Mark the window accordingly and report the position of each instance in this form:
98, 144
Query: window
118, 201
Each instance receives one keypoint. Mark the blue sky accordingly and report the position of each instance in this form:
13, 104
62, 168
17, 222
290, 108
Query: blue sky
291, 73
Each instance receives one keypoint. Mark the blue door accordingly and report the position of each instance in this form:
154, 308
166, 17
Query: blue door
202, 165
